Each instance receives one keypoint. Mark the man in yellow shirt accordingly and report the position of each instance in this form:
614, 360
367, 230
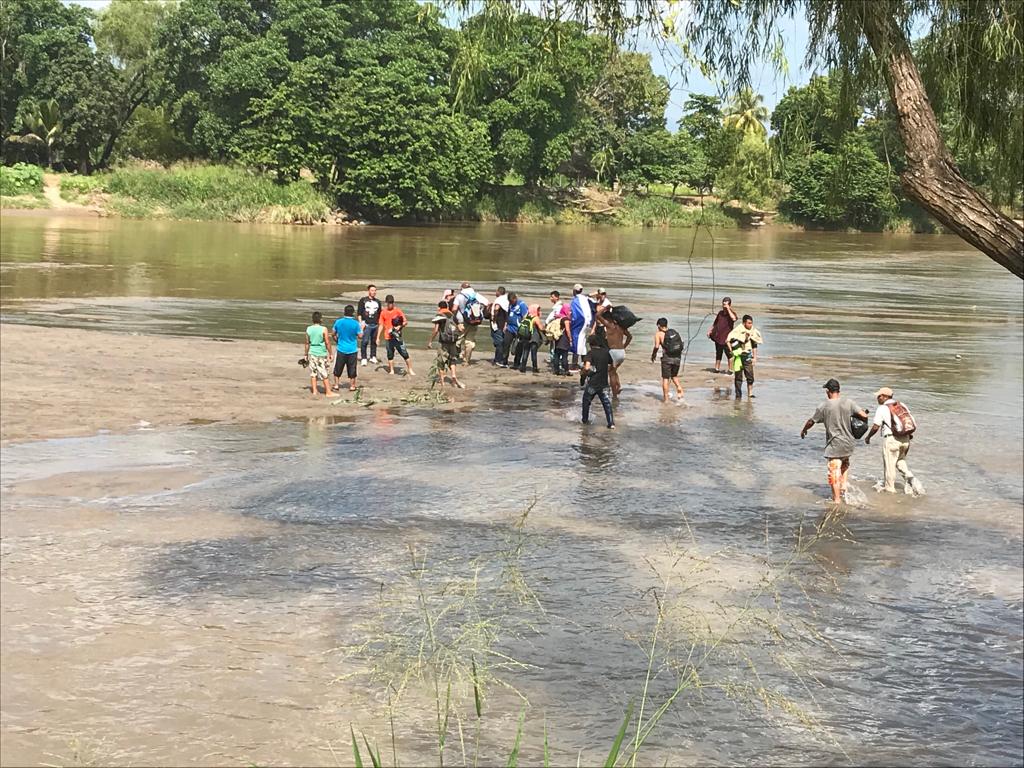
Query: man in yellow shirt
743, 342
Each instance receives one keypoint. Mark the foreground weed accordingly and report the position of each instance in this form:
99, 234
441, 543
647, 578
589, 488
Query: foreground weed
443, 627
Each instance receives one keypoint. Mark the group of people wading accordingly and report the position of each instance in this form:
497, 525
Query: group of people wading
585, 335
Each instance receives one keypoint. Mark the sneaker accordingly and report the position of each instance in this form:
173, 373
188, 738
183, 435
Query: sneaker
916, 485
908, 489
363, 361
502, 365
536, 370
373, 360
460, 385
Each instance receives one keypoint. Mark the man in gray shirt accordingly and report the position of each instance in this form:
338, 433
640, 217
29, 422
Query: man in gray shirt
835, 414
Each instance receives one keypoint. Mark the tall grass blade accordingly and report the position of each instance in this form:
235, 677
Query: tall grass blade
476, 691
355, 748
374, 758
613, 756
513, 758
547, 755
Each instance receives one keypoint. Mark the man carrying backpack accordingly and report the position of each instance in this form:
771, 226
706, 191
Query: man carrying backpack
517, 310
468, 304
897, 425
670, 343
448, 327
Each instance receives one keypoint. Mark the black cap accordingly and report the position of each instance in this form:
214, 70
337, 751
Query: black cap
831, 385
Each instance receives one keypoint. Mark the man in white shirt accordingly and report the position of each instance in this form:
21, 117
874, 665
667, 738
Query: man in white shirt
556, 307
894, 448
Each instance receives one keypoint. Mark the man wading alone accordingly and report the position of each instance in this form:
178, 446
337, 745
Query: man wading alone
670, 343
743, 343
835, 414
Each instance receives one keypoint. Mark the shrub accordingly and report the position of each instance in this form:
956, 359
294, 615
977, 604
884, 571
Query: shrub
21, 179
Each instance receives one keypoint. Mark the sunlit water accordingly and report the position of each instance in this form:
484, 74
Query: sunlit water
202, 624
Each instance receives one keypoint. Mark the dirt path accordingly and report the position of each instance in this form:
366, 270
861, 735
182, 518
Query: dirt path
51, 191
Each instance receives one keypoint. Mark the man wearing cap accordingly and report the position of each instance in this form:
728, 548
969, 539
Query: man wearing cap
835, 414
894, 448
581, 322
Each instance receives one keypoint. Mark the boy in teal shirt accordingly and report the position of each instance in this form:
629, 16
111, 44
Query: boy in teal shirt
317, 353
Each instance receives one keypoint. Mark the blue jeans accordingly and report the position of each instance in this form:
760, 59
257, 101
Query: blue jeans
369, 339
606, 403
562, 361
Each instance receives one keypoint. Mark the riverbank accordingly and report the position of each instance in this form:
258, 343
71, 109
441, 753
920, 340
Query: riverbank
226, 193
120, 382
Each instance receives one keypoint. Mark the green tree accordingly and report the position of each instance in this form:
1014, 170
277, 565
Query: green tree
43, 128
746, 113
748, 174
702, 122
808, 119
865, 40
126, 34
848, 188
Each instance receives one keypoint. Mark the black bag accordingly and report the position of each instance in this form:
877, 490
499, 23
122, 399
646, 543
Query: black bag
623, 316
672, 344
858, 426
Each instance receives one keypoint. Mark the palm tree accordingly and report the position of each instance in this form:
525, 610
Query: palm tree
747, 113
43, 127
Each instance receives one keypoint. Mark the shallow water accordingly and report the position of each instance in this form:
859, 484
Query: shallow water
206, 600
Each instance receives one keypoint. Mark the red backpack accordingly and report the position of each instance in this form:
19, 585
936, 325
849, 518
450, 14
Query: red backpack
903, 424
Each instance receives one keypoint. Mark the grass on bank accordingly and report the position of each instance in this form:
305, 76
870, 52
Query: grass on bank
21, 186
215, 192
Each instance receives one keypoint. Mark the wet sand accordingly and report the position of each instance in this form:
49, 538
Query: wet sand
71, 382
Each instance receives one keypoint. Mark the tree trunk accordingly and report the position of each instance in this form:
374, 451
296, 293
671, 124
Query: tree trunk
133, 104
931, 177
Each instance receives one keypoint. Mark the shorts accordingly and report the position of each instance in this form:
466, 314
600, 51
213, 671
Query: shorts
397, 345
618, 356
346, 360
835, 469
448, 354
720, 350
318, 367
670, 367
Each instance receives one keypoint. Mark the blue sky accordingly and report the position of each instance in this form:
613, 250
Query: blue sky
764, 79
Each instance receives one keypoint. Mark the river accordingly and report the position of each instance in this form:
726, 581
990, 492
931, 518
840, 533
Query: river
242, 594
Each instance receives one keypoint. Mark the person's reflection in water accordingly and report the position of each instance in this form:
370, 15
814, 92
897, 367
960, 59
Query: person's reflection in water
596, 453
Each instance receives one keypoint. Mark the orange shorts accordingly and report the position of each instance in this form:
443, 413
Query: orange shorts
835, 470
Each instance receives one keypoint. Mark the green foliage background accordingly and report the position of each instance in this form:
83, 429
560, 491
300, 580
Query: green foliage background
393, 116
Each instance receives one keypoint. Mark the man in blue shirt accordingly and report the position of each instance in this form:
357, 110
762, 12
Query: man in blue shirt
517, 310
347, 333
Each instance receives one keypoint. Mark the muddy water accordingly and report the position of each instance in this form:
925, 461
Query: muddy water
200, 595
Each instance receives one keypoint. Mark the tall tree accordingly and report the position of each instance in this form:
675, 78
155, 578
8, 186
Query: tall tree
864, 40
747, 113
126, 33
